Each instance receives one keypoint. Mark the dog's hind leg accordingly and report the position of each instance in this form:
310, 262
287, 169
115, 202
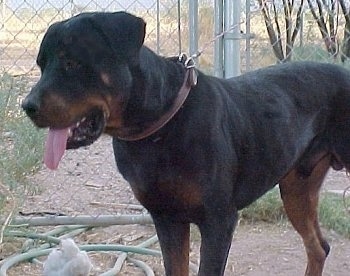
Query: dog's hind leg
174, 238
300, 198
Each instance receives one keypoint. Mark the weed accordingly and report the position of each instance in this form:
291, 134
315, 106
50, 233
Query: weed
20, 143
268, 208
333, 213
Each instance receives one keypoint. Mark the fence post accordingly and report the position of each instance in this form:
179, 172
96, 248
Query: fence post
247, 36
232, 38
193, 26
158, 28
218, 44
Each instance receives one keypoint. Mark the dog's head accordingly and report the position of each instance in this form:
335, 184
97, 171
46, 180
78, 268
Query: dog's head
86, 77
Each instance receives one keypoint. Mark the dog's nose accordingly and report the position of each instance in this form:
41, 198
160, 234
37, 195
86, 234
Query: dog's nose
30, 106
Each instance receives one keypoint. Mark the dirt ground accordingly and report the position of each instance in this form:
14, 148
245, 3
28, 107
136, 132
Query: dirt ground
87, 183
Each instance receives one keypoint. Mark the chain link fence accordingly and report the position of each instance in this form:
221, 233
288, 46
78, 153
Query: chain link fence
87, 182
23, 23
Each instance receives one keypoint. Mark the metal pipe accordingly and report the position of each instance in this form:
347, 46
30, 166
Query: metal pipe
232, 38
248, 36
218, 44
193, 26
158, 28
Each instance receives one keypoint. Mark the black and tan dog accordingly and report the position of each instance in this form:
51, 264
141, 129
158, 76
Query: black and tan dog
201, 157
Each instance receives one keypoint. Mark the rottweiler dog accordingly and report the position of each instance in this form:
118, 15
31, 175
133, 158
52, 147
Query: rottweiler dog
193, 152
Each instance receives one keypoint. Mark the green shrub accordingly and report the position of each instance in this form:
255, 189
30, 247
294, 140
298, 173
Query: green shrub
334, 212
21, 145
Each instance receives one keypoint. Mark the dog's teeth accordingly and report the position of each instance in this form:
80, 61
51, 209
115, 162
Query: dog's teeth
77, 124
83, 120
70, 133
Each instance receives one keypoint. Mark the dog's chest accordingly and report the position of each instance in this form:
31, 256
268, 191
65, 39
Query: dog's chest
161, 177
178, 193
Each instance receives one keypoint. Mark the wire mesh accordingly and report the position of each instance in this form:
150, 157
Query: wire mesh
87, 181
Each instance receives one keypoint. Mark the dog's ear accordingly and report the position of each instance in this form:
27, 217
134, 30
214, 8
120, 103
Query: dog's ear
125, 32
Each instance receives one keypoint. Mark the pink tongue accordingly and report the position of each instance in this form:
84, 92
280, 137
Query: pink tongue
55, 146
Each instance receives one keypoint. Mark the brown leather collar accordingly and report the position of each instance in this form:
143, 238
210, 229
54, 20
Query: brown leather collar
190, 80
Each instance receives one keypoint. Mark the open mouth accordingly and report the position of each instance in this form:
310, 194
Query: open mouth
82, 133
87, 130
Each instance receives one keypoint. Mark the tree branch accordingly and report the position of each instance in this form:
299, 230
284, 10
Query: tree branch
298, 21
274, 39
346, 40
327, 35
288, 8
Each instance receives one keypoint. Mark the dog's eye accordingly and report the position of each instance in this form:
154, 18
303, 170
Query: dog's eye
71, 65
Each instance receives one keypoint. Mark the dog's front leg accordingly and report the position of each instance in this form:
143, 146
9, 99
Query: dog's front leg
174, 238
216, 233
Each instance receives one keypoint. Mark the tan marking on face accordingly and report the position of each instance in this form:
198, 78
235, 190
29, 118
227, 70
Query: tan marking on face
55, 110
54, 101
115, 119
106, 79
58, 111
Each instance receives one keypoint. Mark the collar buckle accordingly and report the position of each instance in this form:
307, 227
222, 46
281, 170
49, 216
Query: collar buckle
190, 65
